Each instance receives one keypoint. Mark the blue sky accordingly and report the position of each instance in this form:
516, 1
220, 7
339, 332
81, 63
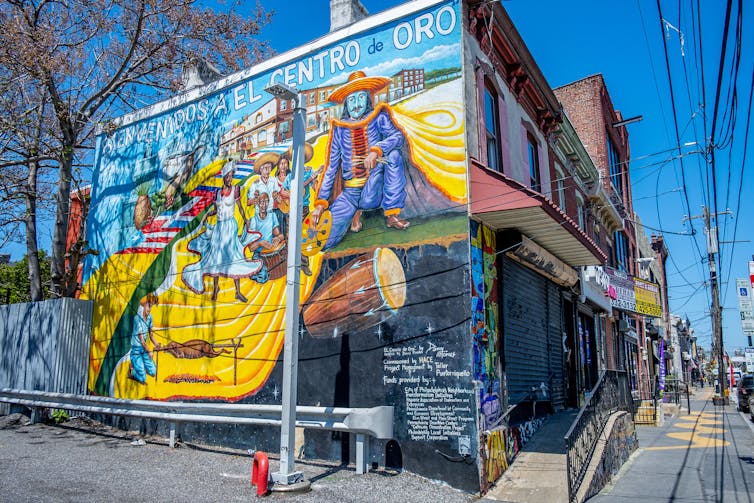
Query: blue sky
623, 41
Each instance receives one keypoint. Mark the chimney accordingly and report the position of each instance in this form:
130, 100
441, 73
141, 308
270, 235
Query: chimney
198, 72
346, 12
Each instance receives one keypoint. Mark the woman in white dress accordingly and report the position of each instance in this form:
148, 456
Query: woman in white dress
219, 246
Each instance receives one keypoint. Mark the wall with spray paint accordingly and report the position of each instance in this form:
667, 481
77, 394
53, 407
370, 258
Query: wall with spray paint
499, 447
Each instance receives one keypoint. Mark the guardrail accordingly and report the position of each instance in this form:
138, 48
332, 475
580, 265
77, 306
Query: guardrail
610, 394
374, 421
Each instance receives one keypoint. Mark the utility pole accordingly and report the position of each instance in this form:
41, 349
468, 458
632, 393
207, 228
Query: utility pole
716, 311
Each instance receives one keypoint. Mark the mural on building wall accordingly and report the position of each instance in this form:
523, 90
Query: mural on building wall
189, 217
484, 313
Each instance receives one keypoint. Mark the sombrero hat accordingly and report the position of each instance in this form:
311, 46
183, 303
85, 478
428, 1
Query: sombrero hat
358, 81
263, 159
308, 152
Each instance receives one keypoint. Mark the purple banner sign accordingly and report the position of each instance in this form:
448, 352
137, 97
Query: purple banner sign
662, 367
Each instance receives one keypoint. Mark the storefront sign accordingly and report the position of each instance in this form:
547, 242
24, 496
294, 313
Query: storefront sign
594, 286
632, 294
621, 290
535, 257
596, 274
647, 298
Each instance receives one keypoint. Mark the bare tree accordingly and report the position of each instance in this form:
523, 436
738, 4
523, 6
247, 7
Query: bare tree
26, 150
98, 58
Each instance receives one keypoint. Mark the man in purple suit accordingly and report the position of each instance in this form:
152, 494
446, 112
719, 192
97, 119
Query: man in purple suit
364, 158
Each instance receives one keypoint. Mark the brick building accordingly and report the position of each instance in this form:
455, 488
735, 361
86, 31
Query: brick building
600, 126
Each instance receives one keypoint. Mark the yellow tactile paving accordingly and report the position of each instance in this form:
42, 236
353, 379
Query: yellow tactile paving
705, 428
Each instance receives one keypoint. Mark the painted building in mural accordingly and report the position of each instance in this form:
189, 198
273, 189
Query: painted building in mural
442, 237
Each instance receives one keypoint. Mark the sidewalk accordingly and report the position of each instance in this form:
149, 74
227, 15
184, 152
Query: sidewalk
702, 456
539, 473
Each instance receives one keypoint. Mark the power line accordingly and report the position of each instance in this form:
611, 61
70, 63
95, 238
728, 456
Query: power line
675, 111
741, 181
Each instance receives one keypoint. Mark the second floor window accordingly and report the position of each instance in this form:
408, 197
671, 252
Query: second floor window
580, 212
616, 168
533, 153
492, 128
620, 252
560, 187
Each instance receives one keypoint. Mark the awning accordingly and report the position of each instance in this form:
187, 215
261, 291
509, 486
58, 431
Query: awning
530, 254
502, 203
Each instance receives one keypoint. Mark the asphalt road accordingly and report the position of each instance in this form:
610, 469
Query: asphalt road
84, 461
707, 455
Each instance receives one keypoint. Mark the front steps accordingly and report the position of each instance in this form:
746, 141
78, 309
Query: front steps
646, 414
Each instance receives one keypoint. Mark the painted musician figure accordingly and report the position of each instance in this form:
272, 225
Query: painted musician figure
365, 158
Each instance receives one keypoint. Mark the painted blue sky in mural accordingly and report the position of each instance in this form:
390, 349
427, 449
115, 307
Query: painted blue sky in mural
146, 154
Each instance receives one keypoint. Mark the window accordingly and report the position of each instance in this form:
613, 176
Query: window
580, 211
262, 137
258, 118
616, 170
560, 187
620, 252
596, 234
283, 104
533, 152
492, 128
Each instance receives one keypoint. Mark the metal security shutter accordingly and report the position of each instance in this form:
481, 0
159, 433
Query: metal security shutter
532, 331
555, 336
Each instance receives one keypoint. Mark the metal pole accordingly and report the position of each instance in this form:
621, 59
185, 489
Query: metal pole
287, 475
717, 331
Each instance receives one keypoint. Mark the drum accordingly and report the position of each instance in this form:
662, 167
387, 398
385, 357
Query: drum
364, 292
276, 260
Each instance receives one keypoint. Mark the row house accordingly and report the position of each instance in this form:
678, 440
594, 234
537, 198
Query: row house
529, 185
635, 301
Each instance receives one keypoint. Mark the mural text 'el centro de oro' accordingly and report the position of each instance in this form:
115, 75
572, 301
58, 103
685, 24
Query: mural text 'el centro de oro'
189, 211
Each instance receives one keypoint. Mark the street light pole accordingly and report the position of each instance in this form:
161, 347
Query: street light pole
286, 474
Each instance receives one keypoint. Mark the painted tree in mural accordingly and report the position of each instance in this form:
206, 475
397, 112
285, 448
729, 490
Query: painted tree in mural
85, 61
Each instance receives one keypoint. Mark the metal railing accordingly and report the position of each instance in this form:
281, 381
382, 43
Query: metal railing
675, 390
538, 394
374, 421
611, 394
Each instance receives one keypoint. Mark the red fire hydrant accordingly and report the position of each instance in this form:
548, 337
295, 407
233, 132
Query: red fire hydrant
260, 469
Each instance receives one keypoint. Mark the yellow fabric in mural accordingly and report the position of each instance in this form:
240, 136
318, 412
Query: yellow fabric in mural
435, 134
205, 176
